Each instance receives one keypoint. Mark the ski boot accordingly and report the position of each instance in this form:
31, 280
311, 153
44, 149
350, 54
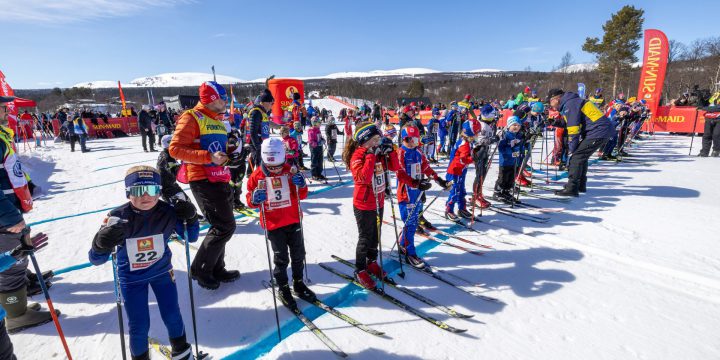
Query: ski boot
425, 224
364, 279
450, 215
181, 349
523, 181
481, 202
285, 295
415, 261
420, 231
239, 207
465, 214
302, 291
566, 192
374, 269
703, 154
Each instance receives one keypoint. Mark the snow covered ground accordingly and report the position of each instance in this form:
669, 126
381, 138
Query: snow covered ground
628, 271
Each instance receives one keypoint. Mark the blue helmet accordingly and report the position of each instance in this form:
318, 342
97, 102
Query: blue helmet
487, 113
537, 107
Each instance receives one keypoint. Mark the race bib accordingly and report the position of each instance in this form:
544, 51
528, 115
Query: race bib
415, 170
379, 178
278, 190
516, 154
435, 128
144, 251
333, 134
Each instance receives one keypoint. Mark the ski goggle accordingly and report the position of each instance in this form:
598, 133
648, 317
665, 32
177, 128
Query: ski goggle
140, 190
275, 168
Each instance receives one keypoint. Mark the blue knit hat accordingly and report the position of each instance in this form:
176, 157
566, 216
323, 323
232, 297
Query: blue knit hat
365, 133
537, 107
513, 120
487, 113
141, 175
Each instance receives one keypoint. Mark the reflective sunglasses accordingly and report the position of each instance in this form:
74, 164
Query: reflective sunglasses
140, 190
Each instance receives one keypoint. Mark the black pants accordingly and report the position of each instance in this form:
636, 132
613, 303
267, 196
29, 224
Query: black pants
331, 149
480, 158
6, 346
578, 165
316, 160
506, 178
711, 136
367, 246
284, 239
14, 277
81, 138
215, 202
237, 174
453, 136
145, 135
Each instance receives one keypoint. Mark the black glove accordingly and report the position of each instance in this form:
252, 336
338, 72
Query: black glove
111, 234
29, 245
184, 210
386, 146
235, 159
442, 183
423, 184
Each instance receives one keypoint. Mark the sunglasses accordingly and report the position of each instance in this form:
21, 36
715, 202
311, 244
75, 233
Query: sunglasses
140, 190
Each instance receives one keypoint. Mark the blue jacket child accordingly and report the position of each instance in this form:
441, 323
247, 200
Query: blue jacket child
139, 232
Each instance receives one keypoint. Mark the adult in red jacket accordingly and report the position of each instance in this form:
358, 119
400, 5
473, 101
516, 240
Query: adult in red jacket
280, 216
368, 156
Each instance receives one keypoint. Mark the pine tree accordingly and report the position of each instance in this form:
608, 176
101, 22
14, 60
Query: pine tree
620, 42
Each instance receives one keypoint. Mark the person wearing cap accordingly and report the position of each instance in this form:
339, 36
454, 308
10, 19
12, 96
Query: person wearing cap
431, 137
298, 111
146, 131
510, 149
138, 233
481, 152
407, 115
316, 142
280, 217
598, 98
200, 141
15, 200
587, 128
618, 116
410, 195
368, 156
331, 133
522, 96
258, 126
168, 168
460, 159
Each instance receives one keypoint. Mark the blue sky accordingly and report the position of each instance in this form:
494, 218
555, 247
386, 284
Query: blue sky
60, 43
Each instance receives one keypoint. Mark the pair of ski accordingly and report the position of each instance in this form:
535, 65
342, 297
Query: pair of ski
443, 242
464, 224
397, 302
505, 209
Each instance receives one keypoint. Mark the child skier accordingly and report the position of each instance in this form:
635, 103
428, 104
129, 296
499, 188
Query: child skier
460, 158
442, 134
168, 168
331, 133
510, 149
281, 217
297, 133
316, 142
430, 139
139, 231
415, 164
292, 155
367, 155
481, 152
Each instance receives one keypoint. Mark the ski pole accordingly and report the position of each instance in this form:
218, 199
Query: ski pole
547, 153
693, 133
335, 166
26, 234
302, 232
261, 184
392, 206
190, 289
379, 233
118, 303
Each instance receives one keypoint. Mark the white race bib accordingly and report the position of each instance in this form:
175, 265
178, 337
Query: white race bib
278, 190
435, 128
415, 170
333, 134
379, 178
144, 251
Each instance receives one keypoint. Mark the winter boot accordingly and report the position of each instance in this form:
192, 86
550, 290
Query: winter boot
716, 154
566, 192
302, 291
523, 181
226, 275
363, 277
465, 214
415, 261
285, 295
205, 280
19, 316
426, 224
702, 154
181, 349
374, 269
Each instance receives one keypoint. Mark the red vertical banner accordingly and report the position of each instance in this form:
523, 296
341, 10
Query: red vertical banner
6, 90
652, 75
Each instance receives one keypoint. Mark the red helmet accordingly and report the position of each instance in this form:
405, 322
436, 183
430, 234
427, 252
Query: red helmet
527, 89
408, 109
467, 96
410, 132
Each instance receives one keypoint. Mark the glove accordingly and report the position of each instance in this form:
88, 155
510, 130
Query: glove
375, 150
184, 210
178, 197
111, 234
442, 183
514, 142
499, 133
386, 146
299, 180
235, 159
259, 196
422, 185
29, 245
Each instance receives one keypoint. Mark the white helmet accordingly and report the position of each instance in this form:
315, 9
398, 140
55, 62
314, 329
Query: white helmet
165, 141
273, 151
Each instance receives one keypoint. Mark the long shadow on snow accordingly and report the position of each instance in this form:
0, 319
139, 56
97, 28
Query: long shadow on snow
369, 353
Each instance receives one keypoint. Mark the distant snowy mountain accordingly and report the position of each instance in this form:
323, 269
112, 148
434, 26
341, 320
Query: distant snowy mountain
578, 68
164, 80
195, 79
